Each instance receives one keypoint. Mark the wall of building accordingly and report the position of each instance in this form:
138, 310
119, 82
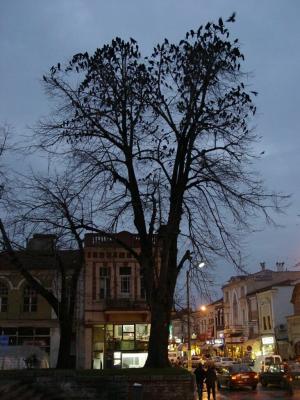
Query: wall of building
282, 306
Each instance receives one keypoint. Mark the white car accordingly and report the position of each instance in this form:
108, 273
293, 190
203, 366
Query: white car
224, 361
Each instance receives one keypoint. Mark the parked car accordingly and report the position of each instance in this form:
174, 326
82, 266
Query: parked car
277, 374
237, 375
224, 362
294, 368
23, 356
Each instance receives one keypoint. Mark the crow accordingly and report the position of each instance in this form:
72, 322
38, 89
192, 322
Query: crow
231, 18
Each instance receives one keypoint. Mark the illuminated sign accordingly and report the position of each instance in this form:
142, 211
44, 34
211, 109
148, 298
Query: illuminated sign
267, 340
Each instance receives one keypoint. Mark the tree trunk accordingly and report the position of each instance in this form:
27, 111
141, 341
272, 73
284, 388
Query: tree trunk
159, 336
64, 360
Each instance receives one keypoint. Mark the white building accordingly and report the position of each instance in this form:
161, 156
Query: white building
241, 309
273, 307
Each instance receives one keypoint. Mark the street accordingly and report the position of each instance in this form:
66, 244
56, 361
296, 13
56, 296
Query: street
259, 394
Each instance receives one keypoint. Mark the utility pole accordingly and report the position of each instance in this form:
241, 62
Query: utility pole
188, 318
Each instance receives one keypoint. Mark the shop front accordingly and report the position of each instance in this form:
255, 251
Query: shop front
234, 346
252, 348
120, 345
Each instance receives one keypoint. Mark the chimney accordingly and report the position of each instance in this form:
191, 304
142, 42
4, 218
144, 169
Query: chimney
280, 266
263, 266
42, 242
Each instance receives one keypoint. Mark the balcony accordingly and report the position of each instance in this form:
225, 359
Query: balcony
125, 304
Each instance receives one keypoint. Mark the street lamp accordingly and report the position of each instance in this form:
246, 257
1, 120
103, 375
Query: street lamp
200, 265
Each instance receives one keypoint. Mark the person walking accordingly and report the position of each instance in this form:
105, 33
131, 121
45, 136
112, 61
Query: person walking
200, 376
210, 379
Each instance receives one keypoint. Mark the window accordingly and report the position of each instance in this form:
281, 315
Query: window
226, 297
30, 300
128, 332
235, 309
269, 322
125, 275
3, 297
104, 283
265, 323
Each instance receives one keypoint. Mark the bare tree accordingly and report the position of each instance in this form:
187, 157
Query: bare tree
50, 205
167, 141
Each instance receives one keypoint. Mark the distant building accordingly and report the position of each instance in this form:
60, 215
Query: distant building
25, 317
241, 312
273, 307
293, 322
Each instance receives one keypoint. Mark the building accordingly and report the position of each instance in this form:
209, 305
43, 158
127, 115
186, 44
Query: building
293, 322
25, 317
241, 312
116, 324
209, 320
273, 307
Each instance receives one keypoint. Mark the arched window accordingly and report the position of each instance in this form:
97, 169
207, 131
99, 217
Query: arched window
29, 299
3, 297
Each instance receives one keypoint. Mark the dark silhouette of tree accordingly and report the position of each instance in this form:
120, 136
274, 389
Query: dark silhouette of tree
167, 140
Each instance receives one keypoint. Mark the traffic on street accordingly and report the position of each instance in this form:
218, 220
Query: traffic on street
259, 394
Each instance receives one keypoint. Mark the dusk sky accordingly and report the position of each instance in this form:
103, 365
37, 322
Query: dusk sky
35, 34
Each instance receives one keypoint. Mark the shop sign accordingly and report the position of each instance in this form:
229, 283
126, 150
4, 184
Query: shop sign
219, 341
239, 339
267, 340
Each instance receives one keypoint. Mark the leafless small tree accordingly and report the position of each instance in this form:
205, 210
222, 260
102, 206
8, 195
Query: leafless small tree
50, 205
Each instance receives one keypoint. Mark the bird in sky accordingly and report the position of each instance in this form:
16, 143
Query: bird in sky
231, 18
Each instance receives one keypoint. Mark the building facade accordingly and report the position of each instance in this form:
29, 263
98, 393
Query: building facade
293, 322
25, 317
241, 312
273, 308
116, 324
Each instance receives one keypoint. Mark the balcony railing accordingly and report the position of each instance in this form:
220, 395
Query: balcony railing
125, 304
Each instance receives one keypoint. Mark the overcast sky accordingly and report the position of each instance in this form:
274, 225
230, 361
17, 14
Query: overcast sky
35, 34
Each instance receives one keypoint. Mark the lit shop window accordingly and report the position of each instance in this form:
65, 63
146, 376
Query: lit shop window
3, 297
128, 332
30, 300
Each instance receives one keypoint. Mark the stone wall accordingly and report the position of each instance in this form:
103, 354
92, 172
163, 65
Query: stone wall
92, 385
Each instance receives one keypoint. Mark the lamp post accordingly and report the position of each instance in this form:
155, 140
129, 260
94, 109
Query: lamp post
200, 265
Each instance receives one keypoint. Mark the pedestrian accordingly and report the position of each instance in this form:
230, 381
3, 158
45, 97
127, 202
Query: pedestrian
200, 377
210, 379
